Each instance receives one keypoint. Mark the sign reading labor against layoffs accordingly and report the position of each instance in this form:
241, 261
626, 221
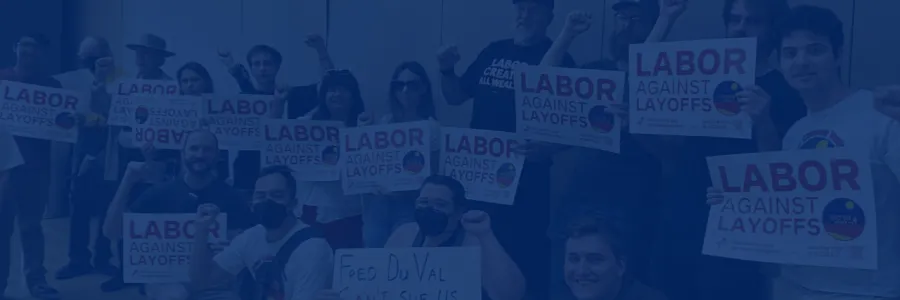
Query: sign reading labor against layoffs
690, 88
123, 103
41, 112
385, 158
157, 247
310, 148
166, 121
235, 119
446, 273
569, 106
807, 207
484, 161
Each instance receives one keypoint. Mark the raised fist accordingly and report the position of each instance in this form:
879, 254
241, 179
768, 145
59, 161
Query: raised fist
206, 215
103, 67
315, 41
476, 222
447, 57
672, 8
577, 22
226, 58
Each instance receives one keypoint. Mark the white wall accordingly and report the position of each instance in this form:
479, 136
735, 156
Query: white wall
371, 37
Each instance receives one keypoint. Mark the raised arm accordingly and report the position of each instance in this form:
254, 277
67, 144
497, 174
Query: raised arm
500, 276
238, 71
316, 42
669, 11
112, 226
204, 271
577, 22
451, 84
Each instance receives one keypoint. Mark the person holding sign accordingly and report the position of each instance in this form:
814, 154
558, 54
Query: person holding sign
597, 264
324, 203
810, 46
887, 101
289, 259
10, 159
26, 204
410, 100
198, 185
489, 82
194, 80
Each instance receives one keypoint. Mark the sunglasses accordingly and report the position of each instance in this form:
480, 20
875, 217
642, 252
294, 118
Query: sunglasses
412, 85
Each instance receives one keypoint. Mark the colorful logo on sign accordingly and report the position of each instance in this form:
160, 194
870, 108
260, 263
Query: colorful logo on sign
414, 162
141, 114
725, 98
65, 120
821, 139
844, 220
506, 175
600, 119
330, 155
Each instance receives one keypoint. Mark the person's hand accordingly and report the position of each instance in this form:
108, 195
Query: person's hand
103, 67
226, 58
327, 295
206, 216
279, 98
148, 151
578, 22
135, 172
535, 151
86, 164
316, 42
476, 222
216, 247
672, 9
447, 57
365, 119
887, 101
621, 111
714, 196
755, 102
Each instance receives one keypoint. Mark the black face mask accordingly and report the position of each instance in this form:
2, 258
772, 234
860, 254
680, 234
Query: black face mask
431, 222
270, 214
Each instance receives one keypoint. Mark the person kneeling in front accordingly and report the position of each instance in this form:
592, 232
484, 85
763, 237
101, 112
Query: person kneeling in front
288, 259
442, 220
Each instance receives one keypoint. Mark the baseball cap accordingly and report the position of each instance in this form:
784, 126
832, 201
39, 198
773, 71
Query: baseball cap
548, 3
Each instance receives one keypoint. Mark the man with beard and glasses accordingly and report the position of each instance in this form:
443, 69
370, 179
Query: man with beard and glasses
26, 202
289, 259
488, 81
774, 106
620, 186
197, 186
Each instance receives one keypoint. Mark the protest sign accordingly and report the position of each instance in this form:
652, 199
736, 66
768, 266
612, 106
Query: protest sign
235, 119
807, 207
310, 148
446, 273
569, 106
157, 247
689, 88
393, 157
484, 161
41, 112
123, 103
166, 121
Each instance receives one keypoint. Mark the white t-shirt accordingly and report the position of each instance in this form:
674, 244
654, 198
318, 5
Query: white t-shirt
855, 123
10, 157
307, 271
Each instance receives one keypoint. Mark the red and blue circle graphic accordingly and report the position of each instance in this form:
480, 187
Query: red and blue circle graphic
414, 162
506, 175
330, 155
65, 120
141, 114
821, 139
601, 120
843, 219
725, 98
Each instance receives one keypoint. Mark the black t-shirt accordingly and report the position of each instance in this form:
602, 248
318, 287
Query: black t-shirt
175, 196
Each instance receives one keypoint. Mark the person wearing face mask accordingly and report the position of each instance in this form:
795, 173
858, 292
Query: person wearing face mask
410, 99
596, 264
287, 257
197, 185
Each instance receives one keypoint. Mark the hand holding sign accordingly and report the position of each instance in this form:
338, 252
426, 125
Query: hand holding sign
620, 110
578, 22
365, 119
714, 196
448, 56
755, 102
206, 216
887, 101
535, 151
476, 222
327, 295
226, 58
103, 67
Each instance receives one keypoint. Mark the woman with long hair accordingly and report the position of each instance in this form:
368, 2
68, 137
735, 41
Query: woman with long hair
325, 204
194, 79
411, 99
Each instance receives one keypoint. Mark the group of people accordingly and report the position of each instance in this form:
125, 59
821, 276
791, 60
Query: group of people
631, 231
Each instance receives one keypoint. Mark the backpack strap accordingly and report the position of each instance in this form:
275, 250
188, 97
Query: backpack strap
299, 237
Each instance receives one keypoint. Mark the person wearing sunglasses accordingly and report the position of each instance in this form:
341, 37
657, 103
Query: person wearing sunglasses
410, 99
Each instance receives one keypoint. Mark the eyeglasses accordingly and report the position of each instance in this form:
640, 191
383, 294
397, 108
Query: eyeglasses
412, 85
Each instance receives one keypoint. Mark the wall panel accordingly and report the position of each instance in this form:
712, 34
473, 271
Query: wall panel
875, 44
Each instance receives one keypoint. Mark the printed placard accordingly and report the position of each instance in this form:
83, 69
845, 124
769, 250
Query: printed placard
807, 207
310, 148
235, 119
41, 112
408, 273
569, 106
484, 161
689, 88
123, 104
166, 121
157, 247
394, 157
